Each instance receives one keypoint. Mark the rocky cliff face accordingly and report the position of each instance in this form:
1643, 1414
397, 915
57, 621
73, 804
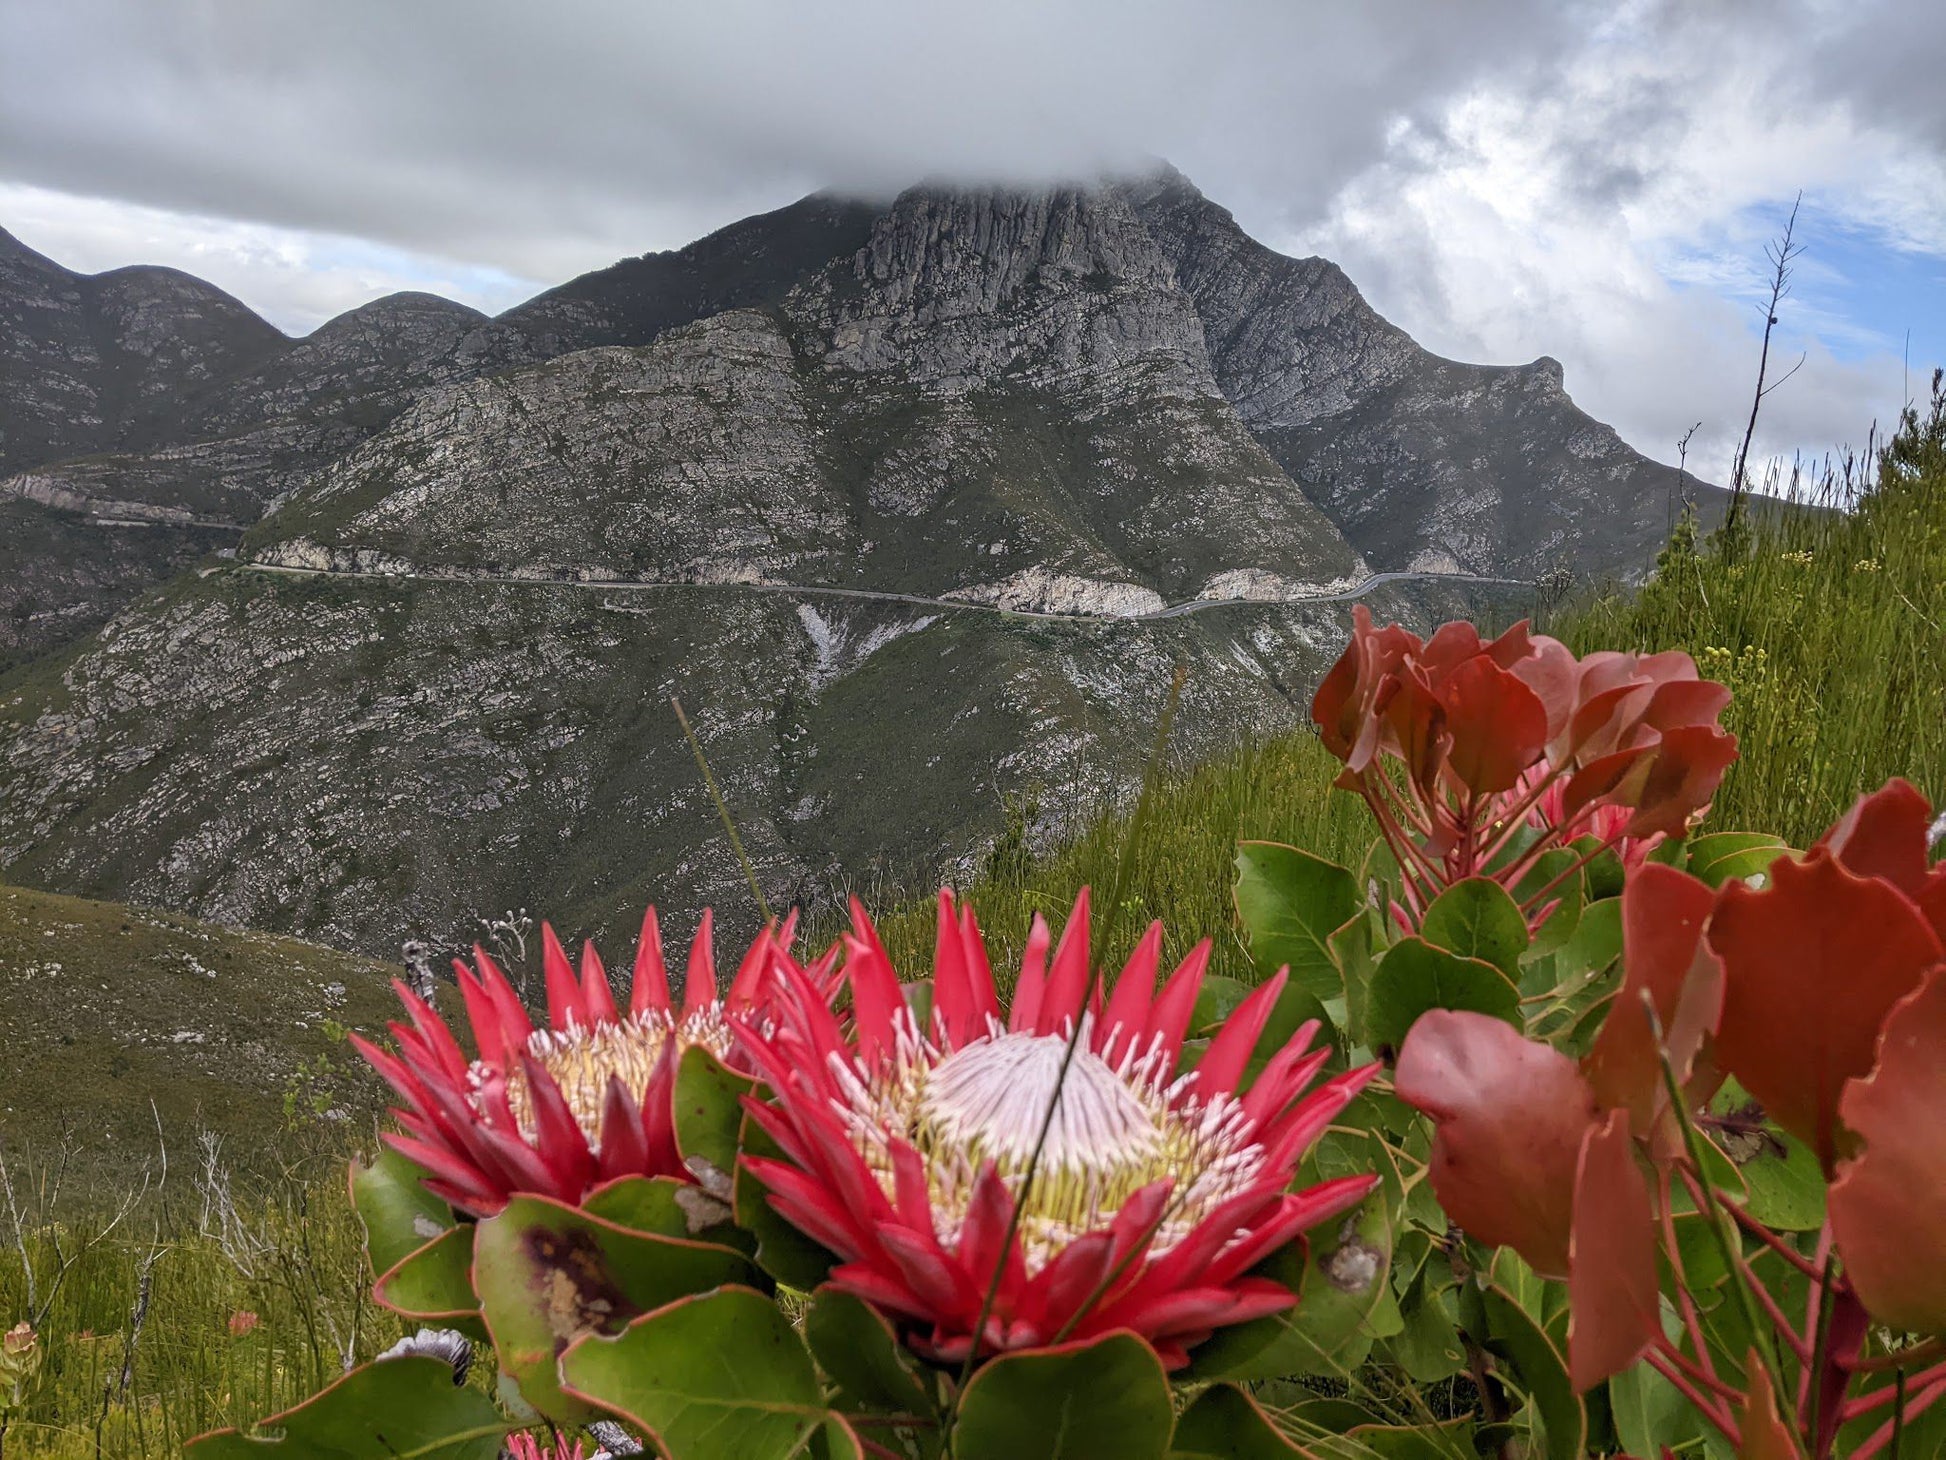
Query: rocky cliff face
1423, 463
365, 761
713, 473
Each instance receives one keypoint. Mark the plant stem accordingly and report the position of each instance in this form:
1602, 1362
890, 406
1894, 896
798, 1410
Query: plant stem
1920, 1353
1771, 1240
1732, 1257
722, 809
1893, 1428
1866, 1403
1691, 1320
1811, 1382
1659, 1361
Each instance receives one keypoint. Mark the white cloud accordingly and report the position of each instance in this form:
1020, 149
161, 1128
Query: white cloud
1582, 178
1616, 218
296, 278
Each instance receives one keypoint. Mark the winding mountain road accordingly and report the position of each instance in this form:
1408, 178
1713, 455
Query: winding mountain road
631, 585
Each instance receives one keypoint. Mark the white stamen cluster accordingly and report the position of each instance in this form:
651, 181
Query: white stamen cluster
583, 1059
1115, 1130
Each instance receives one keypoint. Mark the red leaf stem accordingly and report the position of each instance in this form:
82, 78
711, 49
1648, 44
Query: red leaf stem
1657, 1359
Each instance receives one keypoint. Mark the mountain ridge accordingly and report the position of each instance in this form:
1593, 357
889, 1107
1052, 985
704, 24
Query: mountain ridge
1084, 404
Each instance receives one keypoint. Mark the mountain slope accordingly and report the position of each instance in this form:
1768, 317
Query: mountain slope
361, 761
1422, 462
86, 360
994, 384
436, 682
117, 1018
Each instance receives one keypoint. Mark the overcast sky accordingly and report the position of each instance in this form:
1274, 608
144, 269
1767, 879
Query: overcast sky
1504, 178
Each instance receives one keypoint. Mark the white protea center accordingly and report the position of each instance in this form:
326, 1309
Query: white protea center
1116, 1129
584, 1058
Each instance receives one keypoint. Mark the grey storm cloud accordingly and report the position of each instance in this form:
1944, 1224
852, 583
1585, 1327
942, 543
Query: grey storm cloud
1590, 179
494, 131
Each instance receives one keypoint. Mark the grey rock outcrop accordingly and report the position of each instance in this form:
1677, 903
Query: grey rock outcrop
1423, 463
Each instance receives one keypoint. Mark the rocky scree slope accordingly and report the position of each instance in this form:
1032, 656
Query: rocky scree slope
360, 762
1066, 400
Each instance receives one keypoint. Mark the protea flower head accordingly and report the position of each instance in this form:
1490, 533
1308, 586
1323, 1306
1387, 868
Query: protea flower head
584, 1100
1157, 1191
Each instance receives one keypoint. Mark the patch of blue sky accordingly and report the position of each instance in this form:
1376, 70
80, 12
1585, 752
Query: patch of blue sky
482, 286
1861, 291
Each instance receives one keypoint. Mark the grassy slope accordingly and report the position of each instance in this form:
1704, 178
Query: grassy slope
114, 1018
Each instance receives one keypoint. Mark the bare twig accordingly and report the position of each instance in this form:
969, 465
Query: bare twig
1782, 255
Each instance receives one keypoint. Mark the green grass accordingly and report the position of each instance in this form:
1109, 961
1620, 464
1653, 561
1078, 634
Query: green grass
120, 1022
1827, 625
294, 1260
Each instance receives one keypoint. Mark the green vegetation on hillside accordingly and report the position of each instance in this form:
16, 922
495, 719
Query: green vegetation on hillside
1827, 625
118, 1020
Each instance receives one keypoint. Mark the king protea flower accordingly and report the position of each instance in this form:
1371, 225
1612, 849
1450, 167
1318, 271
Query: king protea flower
1156, 1193
560, 1110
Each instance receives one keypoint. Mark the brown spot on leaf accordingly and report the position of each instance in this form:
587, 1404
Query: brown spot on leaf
576, 1292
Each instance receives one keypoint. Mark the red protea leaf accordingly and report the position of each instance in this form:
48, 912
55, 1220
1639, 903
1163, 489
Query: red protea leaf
1613, 1298
1452, 644
1885, 835
1510, 1116
1687, 767
1417, 720
1812, 965
1667, 960
1498, 726
1888, 1205
1607, 712
1680, 703
1551, 671
1615, 777
1348, 704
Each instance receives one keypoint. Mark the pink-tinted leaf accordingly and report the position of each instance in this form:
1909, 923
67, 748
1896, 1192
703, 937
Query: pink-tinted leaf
1499, 726
1511, 1115
1612, 1286
1888, 1205
1687, 767
1812, 964
1666, 959
1885, 835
